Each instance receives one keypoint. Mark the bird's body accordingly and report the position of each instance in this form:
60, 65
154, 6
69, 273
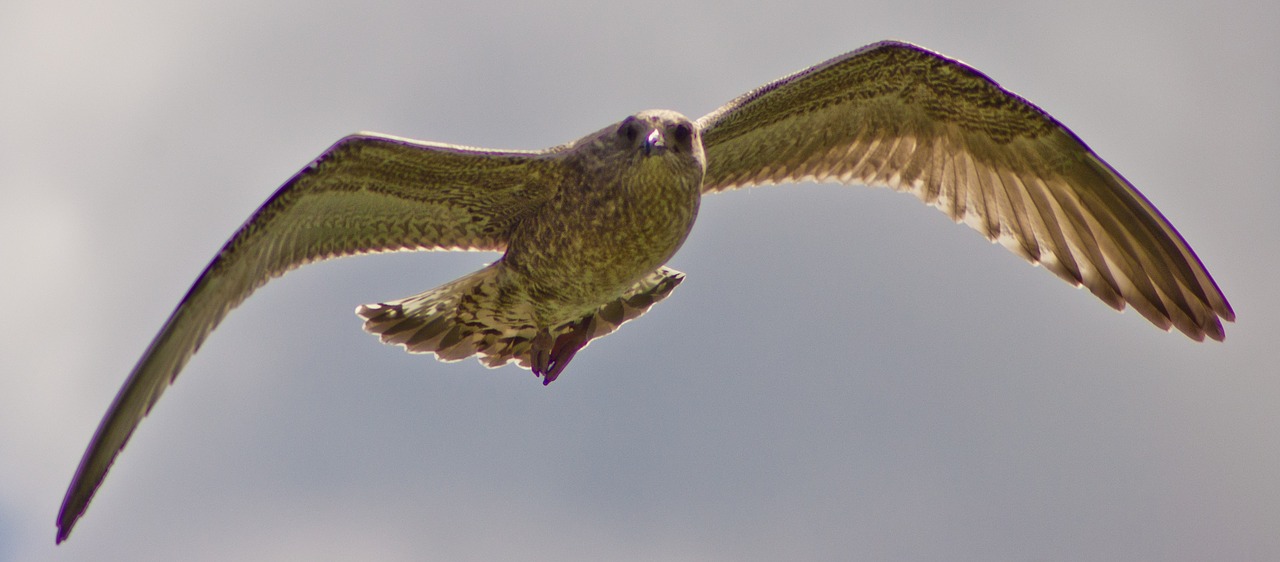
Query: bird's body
622, 204
586, 228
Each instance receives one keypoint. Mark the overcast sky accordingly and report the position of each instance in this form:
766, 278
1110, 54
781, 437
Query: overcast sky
845, 374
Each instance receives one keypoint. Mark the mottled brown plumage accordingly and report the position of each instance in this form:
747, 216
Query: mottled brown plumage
621, 202
586, 227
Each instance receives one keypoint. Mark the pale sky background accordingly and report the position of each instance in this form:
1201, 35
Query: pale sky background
844, 374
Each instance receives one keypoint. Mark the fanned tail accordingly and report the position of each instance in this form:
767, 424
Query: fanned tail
468, 317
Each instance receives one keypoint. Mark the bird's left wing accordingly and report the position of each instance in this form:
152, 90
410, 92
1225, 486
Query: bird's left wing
898, 115
367, 193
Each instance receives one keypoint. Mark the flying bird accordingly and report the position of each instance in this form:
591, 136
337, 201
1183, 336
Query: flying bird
586, 227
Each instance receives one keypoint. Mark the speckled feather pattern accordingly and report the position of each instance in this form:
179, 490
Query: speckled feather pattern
460, 319
586, 227
901, 116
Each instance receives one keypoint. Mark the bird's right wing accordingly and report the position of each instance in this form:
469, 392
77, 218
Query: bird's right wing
367, 193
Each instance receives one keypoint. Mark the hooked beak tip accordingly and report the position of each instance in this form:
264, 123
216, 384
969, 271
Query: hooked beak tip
654, 141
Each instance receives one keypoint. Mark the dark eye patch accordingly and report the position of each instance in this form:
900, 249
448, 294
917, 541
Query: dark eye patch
630, 128
681, 133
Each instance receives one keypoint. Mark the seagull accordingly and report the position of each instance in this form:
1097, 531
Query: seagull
586, 227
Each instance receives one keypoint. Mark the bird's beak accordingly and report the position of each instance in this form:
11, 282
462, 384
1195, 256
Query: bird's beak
654, 142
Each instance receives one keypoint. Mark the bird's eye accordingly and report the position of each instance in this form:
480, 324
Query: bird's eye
629, 129
682, 133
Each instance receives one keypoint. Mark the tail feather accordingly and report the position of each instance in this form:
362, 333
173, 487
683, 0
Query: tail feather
468, 317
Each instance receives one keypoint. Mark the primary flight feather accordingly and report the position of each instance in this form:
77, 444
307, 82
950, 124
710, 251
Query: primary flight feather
586, 227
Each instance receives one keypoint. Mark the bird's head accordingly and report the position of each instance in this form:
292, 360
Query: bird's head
657, 132
658, 139
652, 147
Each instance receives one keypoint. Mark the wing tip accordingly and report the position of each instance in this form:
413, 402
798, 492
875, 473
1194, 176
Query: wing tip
73, 508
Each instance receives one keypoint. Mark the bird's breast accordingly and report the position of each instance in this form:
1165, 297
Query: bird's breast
593, 242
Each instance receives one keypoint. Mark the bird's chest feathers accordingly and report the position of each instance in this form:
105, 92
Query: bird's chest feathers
599, 237
646, 210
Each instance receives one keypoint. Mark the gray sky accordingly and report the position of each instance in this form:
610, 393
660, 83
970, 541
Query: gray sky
844, 374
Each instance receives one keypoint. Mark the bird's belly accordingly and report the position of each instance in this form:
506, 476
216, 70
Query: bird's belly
581, 260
